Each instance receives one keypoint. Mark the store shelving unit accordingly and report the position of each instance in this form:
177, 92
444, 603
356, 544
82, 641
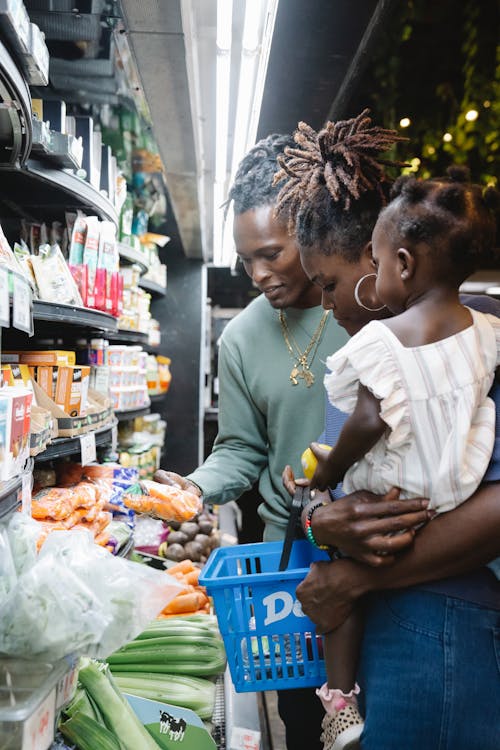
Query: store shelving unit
69, 315
130, 256
156, 290
15, 113
9, 496
62, 447
122, 416
121, 335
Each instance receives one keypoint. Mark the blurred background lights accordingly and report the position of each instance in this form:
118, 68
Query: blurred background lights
404, 122
471, 115
447, 137
486, 103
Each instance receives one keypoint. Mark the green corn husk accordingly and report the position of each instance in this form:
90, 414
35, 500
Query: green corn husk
116, 712
87, 734
83, 703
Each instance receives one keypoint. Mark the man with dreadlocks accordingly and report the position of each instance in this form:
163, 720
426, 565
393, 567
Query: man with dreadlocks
271, 399
421, 689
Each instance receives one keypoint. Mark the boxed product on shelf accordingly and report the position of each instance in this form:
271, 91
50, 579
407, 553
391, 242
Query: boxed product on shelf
15, 422
37, 357
15, 23
72, 389
31, 695
36, 60
98, 414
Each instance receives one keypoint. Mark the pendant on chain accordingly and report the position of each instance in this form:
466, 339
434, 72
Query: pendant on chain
303, 372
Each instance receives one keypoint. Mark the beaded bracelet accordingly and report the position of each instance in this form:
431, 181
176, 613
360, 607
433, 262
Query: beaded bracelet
308, 529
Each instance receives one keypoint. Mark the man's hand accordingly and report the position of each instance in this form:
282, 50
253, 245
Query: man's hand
329, 591
175, 480
369, 528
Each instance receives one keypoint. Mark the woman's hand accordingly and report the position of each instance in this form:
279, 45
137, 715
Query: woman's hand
369, 528
329, 591
175, 480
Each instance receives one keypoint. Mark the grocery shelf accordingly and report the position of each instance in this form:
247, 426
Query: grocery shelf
129, 255
15, 112
40, 190
54, 312
132, 413
61, 447
9, 495
156, 290
128, 337
157, 397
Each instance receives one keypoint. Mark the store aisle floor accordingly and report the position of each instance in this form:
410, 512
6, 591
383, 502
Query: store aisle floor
276, 726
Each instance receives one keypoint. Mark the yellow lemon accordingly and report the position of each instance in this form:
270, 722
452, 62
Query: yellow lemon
309, 460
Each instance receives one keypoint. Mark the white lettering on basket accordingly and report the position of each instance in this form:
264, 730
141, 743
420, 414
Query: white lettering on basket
279, 605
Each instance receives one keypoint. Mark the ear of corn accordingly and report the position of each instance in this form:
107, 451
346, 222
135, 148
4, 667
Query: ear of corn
116, 712
87, 734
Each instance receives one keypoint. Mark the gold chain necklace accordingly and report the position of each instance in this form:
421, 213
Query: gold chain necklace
301, 367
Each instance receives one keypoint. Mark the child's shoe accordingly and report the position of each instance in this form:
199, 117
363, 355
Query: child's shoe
342, 724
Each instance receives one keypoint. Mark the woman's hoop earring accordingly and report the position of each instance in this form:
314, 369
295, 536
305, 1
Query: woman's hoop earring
356, 294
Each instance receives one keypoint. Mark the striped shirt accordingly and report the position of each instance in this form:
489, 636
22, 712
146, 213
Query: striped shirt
434, 399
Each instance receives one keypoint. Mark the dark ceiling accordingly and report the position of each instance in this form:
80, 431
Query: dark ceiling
314, 44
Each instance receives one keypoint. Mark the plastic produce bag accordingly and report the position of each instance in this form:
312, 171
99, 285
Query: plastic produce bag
23, 533
78, 598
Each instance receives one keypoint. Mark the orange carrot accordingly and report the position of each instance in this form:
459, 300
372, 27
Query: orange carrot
184, 603
192, 577
184, 566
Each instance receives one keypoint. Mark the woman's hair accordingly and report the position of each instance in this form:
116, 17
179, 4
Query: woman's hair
253, 184
335, 184
452, 215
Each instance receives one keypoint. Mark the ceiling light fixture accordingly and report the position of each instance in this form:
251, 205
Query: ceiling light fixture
258, 28
223, 84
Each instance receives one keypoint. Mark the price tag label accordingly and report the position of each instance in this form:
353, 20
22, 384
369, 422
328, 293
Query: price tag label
244, 739
26, 493
87, 447
22, 316
4, 297
114, 438
38, 730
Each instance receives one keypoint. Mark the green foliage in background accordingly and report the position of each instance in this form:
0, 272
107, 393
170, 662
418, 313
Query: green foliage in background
434, 63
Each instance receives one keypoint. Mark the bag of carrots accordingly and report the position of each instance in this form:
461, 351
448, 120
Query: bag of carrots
163, 501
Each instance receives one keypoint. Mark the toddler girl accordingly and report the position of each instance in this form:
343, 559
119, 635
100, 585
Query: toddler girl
415, 385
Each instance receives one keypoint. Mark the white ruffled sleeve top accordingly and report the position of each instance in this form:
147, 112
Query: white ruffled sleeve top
434, 400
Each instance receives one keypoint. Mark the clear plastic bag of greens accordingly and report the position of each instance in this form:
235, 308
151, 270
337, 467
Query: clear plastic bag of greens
78, 598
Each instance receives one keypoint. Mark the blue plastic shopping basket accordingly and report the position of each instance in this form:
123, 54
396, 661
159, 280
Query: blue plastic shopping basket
270, 643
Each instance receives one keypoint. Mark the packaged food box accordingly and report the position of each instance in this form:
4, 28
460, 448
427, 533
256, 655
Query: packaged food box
31, 694
52, 357
72, 389
15, 422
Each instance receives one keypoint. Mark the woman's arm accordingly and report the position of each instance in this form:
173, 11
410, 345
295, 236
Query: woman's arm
359, 433
453, 543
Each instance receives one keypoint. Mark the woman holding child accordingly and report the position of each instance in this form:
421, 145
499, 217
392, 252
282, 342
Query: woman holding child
429, 665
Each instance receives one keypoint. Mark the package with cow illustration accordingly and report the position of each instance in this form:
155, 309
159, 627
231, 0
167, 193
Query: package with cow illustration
269, 641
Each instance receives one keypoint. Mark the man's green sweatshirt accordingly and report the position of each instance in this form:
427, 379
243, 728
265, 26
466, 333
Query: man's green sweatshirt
265, 422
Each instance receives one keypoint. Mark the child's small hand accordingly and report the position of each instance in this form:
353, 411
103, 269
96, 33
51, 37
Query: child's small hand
322, 476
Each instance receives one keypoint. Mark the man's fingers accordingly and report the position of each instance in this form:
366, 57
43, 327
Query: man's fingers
392, 524
390, 545
392, 508
166, 477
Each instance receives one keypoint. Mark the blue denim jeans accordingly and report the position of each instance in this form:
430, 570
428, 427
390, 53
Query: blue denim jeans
430, 673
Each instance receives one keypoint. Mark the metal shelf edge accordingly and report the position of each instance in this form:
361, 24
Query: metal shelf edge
9, 498
151, 286
61, 447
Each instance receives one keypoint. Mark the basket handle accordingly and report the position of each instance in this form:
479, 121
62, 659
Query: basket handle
300, 496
